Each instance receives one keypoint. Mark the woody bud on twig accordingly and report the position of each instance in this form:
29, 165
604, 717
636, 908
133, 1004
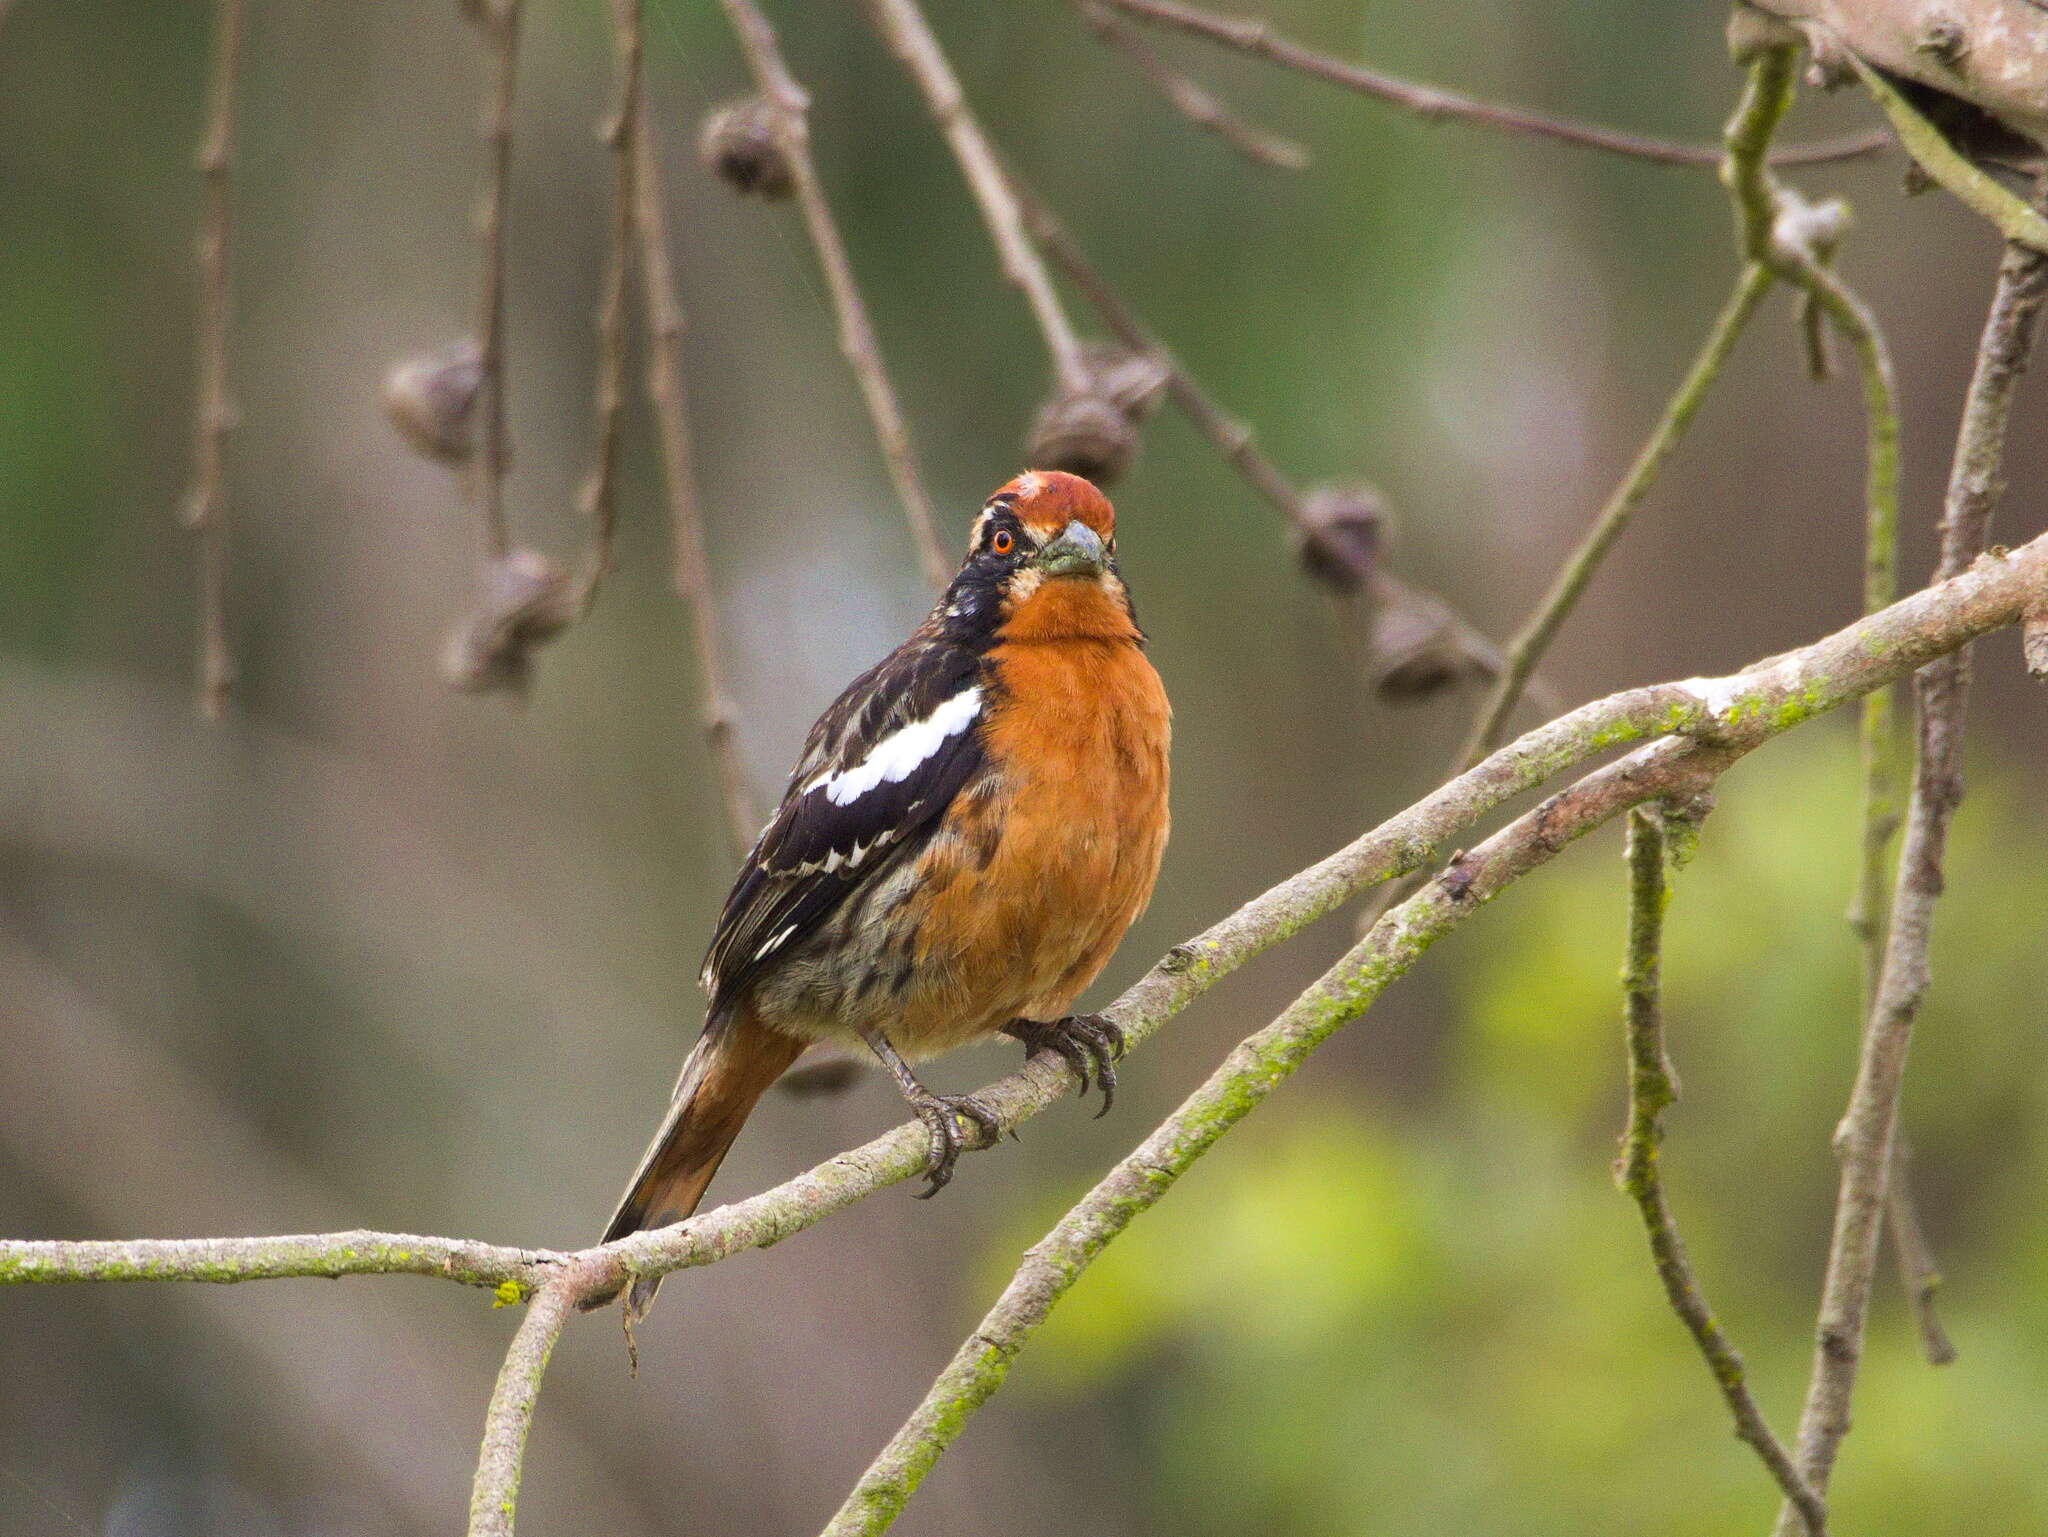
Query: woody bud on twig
1343, 532
1420, 648
430, 398
740, 145
1094, 431
527, 601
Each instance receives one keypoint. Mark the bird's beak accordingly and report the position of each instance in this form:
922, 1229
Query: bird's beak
1077, 551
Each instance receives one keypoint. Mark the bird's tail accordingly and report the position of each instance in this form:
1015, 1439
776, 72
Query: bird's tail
731, 1067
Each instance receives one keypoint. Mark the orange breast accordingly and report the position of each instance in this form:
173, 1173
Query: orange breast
1036, 878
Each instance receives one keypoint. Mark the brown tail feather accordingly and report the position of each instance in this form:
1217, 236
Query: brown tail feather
731, 1067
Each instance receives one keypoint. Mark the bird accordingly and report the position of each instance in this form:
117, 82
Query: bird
970, 829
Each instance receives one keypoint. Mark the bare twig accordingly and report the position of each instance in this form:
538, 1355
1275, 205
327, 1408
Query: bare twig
1651, 1090
1233, 440
498, 22
205, 511
1919, 1275
1943, 163
903, 27
1435, 105
620, 132
690, 573
790, 104
495, 1495
1190, 100
1868, 1131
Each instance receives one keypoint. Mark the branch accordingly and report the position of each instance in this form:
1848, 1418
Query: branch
495, 1494
205, 510
498, 22
1715, 723
903, 27
1651, 1090
1233, 441
1867, 1134
789, 104
1192, 102
1932, 152
689, 573
620, 132
1680, 769
1435, 105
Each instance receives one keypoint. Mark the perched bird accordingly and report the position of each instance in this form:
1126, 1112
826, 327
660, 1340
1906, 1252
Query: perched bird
971, 828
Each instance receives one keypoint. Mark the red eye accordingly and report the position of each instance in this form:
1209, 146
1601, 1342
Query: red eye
1003, 543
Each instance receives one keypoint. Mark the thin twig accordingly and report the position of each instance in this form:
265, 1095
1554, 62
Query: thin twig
1868, 1131
908, 36
1738, 712
857, 340
1533, 640
1919, 1275
1433, 104
205, 510
498, 22
1233, 440
495, 1495
690, 573
1652, 1088
1191, 101
1769, 225
620, 131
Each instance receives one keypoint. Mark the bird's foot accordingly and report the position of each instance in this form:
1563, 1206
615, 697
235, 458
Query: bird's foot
943, 1116
1088, 1043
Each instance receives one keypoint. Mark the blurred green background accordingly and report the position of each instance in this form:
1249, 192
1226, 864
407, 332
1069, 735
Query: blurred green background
374, 954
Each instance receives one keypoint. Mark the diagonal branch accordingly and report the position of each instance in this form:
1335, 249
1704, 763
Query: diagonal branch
1191, 101
620, 132
1433, 104
1652, 1088
498, 21
1233, 440
908, 36
789, 104
690, 574
205, 510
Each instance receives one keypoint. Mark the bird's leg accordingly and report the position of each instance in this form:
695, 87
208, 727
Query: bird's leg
1083, 1041
941, 1114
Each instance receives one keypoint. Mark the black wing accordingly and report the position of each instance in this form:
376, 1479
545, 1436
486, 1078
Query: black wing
877, 771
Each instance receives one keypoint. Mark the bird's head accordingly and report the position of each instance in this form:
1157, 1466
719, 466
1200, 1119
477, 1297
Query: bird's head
1041, 563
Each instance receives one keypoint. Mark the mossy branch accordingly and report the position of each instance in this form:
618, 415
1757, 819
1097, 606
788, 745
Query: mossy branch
1712, 723
1652, 1089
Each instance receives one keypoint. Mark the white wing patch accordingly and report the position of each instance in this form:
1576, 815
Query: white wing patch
896, 757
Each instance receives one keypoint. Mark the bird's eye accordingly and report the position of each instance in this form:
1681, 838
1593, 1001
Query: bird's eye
1003, 543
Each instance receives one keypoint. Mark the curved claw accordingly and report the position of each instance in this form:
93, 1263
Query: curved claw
1087, 1043
941, 1114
